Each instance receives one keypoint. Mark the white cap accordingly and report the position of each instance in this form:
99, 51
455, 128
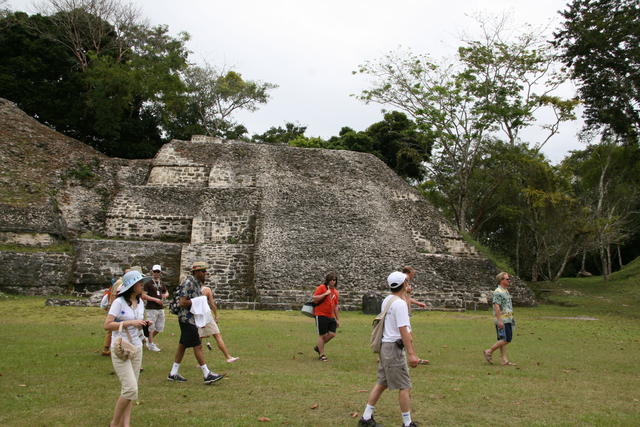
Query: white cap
156, 268
396, 279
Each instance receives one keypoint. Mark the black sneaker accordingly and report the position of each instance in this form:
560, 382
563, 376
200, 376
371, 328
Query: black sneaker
212, 378
368, 423
176, 377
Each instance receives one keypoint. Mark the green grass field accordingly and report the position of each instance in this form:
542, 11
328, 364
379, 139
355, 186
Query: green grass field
570, 371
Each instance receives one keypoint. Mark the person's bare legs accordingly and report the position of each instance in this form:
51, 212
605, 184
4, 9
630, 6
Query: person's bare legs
127, 414
197, 351
179, 353
322, 340
375, 394
404, 398
498, 345
503, 354
152, 336
119, 413
222, 346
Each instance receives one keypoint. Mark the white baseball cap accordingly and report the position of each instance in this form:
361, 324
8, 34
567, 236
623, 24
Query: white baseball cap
396, 279
156, 268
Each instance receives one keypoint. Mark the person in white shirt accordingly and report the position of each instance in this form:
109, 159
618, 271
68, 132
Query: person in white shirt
128, 310
155, 292
396, 352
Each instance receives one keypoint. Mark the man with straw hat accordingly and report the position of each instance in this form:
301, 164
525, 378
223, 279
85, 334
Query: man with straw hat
186, 291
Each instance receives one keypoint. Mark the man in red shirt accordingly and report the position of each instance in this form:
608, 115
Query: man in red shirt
326, 311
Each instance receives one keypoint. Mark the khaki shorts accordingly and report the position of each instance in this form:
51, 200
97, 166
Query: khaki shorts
209, 329
393, 371
157, 319
128, 372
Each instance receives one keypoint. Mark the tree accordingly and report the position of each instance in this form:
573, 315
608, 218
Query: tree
396, 140
213, 96
92, 27
493, 91
606, 179
116, 101
600, 43
279, 134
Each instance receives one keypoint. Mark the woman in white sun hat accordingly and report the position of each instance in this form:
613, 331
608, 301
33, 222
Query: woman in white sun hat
127, 309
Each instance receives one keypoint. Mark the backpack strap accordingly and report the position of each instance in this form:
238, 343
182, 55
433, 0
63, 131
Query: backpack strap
391, 301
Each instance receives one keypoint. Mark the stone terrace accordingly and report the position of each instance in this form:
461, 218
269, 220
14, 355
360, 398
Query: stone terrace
271, 220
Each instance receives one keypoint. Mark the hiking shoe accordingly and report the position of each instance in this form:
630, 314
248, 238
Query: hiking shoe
177, 377
212, 378
368, 423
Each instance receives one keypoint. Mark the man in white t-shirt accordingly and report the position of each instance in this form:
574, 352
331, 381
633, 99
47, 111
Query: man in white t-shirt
396, 351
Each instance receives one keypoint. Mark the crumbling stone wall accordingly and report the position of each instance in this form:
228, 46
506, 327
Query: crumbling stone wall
270, 219
96, 262
35, 273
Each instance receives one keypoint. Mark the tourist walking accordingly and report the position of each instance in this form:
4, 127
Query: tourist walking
124, 320
326, 312
189, 338
211, 328
396, 352
504, 321
411, 274
155, 292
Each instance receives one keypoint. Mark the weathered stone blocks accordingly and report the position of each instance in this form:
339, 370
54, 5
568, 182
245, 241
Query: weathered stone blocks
35, 273
96, 262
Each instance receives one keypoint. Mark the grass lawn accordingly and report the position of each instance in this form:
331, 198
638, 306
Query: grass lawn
570, 371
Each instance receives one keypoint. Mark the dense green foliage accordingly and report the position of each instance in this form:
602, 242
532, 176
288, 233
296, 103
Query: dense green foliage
110, 99
99, 75
491, 93
546, 220
600, 43
396, 140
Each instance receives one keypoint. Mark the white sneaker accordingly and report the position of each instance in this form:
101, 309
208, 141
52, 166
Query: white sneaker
154, 347
232, 359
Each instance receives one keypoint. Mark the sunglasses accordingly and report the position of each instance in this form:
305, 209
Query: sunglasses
157, 271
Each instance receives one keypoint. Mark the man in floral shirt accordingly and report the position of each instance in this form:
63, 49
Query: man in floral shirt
189, 289
505, 323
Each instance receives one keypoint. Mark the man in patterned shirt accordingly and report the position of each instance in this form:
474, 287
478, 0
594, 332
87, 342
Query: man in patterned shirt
188, 289
503, 311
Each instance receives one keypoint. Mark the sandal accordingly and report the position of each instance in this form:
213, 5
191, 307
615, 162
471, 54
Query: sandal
323, 358
487, 356
509, 364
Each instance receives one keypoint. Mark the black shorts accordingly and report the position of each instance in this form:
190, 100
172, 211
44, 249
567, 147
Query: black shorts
189, 335
326, 325
505, 334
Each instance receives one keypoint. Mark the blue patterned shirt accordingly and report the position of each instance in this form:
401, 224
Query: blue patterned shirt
189, 288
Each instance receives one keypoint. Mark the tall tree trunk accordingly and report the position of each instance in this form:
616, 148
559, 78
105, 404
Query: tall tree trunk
518, 248
619, 257
603, 261
563, 265
609, 259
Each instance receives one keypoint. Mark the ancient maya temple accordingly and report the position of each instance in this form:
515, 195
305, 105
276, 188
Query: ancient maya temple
269, 219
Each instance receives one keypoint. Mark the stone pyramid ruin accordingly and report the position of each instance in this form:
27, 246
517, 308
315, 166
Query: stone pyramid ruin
270, 220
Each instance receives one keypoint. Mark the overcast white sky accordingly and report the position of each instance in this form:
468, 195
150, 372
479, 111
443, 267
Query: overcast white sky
309, 49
